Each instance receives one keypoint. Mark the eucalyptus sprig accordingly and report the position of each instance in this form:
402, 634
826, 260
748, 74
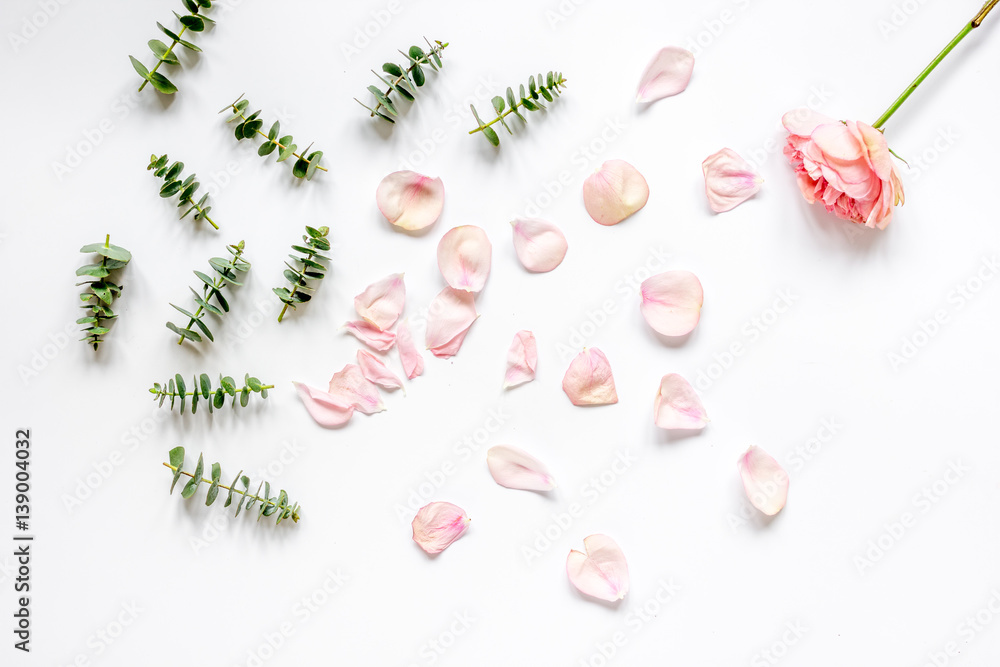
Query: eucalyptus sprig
194, 21
102, 292
412, 74
310, 268
228, 271
269, 506
176, 390
305, 166
547, 87
187, 188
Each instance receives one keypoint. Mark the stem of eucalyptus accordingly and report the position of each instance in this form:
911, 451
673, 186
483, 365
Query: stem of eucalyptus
160, 62
252, 496
276, 142
423, 60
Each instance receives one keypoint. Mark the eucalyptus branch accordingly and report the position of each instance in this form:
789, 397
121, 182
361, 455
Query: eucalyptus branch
228, 270
195, 22
310, 268
305, 166
278, 505
173, 185
412, 75
175, 389
547, 88
102, 292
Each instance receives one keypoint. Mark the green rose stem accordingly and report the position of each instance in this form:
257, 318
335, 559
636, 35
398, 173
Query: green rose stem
969, 27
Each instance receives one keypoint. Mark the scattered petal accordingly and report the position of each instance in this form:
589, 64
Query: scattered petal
409, 200
371, 335
437, 525
539, 244
602, 572
452, 312
517, 469
588, 380
671, 302
327, 410
522, 357
678, 406
382, 302
614, 192
375, 371
764, 480
729, 180
349, 386
666, 74
409, 355
464, 257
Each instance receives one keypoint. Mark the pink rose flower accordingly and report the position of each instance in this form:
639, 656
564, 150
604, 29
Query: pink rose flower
845, 165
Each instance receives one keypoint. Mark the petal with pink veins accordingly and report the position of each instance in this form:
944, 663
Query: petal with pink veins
452, 312
522, 357
678, 406
371, 335
588, 380
409, 355
328, 411
375, 371
602, 572
764, 480
409, 200
614, 192
350, 387
539, 244
729, 180
437, 525
464, 257
382, 302
667, 74
671, 302
517, 469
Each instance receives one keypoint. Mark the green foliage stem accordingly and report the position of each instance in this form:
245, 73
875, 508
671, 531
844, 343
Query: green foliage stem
176, 390
187, 188
195, 22
228, 271
412, 75
530, 99
102, 292
310, 268
305, 166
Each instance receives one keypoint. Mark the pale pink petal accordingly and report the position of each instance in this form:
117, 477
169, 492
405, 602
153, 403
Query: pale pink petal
671, 302
409, 355
539, 244
517, 469
729, 180
602, 572
666, 74
677, 405
464, 257
764, 480
452, 312
437, 525
803, 121
382, 302
350, 387
409, 200
614, 192
327, 410
375, 371
588, 380
522, 357
371, 335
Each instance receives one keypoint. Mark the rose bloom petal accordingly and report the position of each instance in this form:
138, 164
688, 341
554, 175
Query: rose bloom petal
437, 525
452, 312
668, 73
677, 405
522, 357
409, 200
350, 387
764, 480
371, 335
328, 411
382, 302
375, 371
588, 380
671, 302
539, 244
409, 355
602, 572
464, 257
729, 180
614, 192
517, 469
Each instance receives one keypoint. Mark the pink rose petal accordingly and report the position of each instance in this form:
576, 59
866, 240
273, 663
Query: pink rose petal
671, 302
522, 357
539, 244
327, 410
678, 406
614, 192
452, 312
517, 469
409, 200
588, 380
382, 302
464, 257
602, 572
349, 386
668, 73
437, 525
409, 355
729, 180
375, 371
764, 480
371, 335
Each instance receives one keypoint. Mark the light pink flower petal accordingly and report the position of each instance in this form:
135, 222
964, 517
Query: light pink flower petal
464, 257
371, 335
409, 355
671, 302
517, 469
539, 244
350, 387
764, 480
614, 192
452, 312
677, 405
382, 302
437, 525
602, 572
666, 74
729, 180
375, 371
327, 410
409, 200
803, 121
522, 357
588, 380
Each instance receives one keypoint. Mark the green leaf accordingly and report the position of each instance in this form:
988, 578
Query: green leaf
546, 94
300, 168
251, 126
275, 130
177, 461
511, 101
314, 159
184, 333
219, 398
491, 135
266, 148
193, 483
95, 270
206, 385
383, 100
228, 385
244, 397
392, 69
170, 188
416, 52
288, 150
213, 490
232, 489
102, 292
418, 75
193, 23
179, 381
498, 104
191, 5
254, 384
204, 329
162, 83
140, 68
162, 52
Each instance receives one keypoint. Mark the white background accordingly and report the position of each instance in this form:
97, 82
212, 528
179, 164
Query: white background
212, 589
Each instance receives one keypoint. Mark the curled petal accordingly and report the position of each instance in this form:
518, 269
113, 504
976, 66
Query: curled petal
409, 200
668, 73
464, 257
375, 371
522, 357
678, 406
539, 244
409, 355
452, 312
349, 386
327, 410
588, 380
371, 335
614, 192
437, 525
671, 302
729, 180
601, 572
517, 469
764, 480
382, 302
